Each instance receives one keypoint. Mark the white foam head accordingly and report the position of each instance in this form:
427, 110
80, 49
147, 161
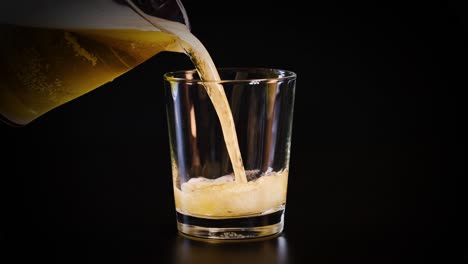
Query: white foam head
81, 14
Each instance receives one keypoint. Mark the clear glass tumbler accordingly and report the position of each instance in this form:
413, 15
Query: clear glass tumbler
230, 165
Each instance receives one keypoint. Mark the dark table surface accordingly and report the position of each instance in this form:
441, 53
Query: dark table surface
374, 152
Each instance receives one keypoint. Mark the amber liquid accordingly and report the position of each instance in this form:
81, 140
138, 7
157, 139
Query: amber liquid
45, 68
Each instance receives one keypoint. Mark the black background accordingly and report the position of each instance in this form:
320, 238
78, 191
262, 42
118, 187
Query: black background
374, 155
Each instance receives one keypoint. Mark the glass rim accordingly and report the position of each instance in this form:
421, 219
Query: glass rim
282, 75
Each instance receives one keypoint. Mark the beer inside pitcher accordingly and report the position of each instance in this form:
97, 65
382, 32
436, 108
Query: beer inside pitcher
55, 51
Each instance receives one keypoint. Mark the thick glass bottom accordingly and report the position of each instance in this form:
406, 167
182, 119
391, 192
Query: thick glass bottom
232, 228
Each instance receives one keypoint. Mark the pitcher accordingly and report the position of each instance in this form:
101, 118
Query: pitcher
55, 51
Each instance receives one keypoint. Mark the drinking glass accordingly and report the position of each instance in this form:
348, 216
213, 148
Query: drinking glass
213, 200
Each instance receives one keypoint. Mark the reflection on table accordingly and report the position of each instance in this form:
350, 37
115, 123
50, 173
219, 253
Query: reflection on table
269, 250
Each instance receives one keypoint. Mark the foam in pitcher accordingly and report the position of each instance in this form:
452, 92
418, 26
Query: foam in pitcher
84, 14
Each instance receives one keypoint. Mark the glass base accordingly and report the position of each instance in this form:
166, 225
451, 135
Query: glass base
232, 228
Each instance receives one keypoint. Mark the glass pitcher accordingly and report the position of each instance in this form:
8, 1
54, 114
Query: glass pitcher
55, 51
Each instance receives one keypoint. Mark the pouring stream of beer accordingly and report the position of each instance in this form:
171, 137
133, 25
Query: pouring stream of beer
207, 71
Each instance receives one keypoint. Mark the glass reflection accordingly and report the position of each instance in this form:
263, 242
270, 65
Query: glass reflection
269, 250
